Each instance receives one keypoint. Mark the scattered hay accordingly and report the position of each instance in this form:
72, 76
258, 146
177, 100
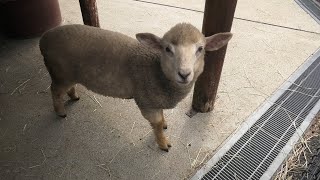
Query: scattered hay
44, 160
24, 129
94, 99
104, 167
195, 161
298, 161
130, 134
38, 165
44, 91
145, 135
97, 100
114, 157
186, 146
19, 86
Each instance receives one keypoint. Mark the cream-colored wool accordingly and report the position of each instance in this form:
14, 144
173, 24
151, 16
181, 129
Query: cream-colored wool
156, 72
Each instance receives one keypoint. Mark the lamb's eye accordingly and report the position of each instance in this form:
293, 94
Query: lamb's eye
168, 50
199, 50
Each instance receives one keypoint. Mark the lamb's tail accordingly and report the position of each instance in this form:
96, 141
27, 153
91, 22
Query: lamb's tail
43, 44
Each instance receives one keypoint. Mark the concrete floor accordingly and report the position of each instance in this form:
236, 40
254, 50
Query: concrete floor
113, 141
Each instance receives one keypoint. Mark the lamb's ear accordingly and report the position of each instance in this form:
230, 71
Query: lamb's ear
149, 39
217, 41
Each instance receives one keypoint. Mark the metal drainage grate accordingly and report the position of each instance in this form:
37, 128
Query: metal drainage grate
255, 152
312, 7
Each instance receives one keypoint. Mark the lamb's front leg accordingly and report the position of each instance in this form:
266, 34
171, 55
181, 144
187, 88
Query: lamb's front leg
155, 117
165, 125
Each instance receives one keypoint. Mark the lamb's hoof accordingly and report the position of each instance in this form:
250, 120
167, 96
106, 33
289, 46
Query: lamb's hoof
73, 96
165, 126
75, 99
165, 147
62, 115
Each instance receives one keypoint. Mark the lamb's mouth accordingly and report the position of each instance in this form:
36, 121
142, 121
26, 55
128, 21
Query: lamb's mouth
183, 82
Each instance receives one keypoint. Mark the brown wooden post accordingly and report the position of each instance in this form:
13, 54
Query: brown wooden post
89, 12
218, 17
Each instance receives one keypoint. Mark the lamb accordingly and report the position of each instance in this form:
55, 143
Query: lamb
156, 72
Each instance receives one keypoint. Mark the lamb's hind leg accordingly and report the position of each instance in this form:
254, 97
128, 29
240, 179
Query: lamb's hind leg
73, 94
57, 92
155, 117
165, 125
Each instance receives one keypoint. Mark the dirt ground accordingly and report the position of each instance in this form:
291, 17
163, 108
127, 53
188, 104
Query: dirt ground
304, 162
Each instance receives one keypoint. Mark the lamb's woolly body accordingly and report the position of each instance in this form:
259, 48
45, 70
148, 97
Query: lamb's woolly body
113, 64
109, 63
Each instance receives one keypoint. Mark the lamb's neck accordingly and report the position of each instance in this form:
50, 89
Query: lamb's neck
173, 89
152, 59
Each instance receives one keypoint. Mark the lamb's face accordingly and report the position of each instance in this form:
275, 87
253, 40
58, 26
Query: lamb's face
182, 63
183, 48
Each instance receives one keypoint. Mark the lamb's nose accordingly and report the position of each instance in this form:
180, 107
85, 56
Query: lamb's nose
184, 74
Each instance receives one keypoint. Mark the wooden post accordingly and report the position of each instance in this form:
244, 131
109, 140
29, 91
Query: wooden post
89, 12
218, 17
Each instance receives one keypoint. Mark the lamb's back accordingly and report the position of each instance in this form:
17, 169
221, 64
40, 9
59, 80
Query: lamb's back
90, 56
84, 41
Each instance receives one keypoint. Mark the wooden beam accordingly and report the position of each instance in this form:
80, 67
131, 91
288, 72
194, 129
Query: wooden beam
218, 17
89, 12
